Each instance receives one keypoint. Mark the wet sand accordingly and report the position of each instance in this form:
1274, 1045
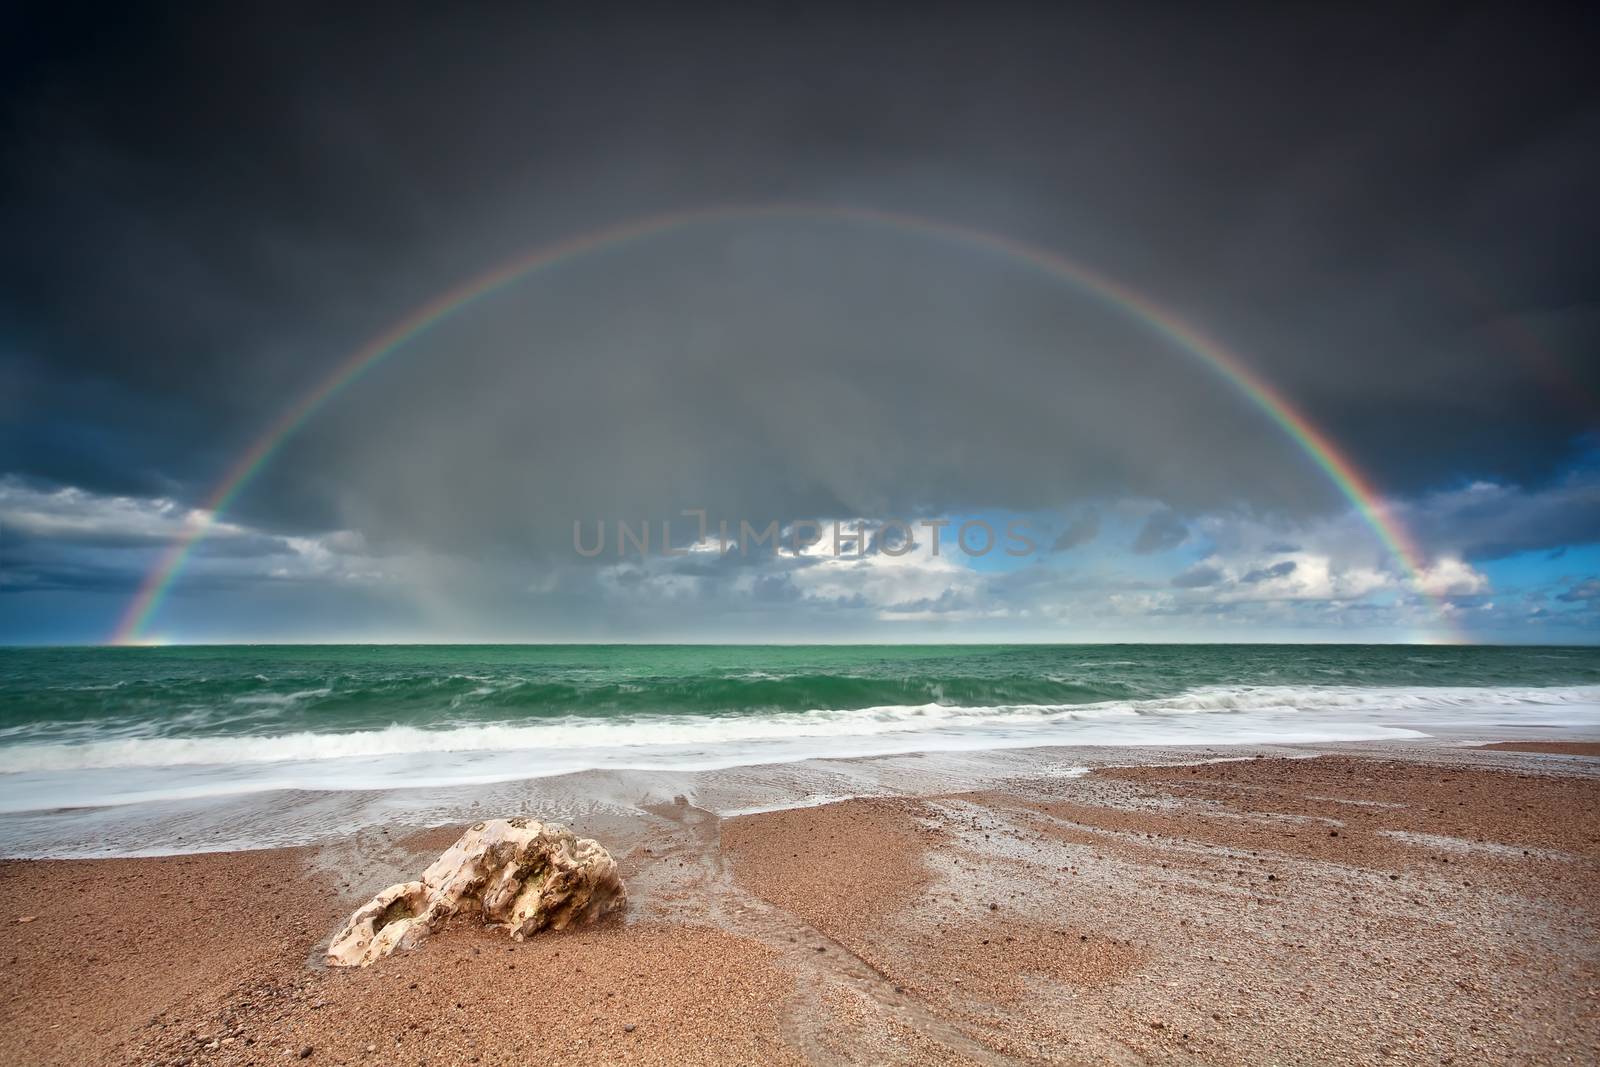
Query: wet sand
1558, 748
1386, 904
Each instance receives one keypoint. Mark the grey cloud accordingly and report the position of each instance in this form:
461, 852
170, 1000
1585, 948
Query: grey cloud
1262, 574
946, 602
364, 195
891, 538
1081, 530
1584, 592
775, 588
1162, 531
1198, 576
1488, 520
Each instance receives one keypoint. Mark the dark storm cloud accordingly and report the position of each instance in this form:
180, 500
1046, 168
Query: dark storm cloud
209, 205
207, 208
65, 575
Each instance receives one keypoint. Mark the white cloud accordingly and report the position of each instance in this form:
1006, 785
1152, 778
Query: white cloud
909, 584
128, 533
1451, 577
1236, 576
76, 515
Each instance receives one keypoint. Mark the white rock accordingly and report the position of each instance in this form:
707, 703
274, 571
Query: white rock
519, 874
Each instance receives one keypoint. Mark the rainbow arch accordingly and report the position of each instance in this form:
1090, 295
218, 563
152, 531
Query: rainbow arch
1349, 480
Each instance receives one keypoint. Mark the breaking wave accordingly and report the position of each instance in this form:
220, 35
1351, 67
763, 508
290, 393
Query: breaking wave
1212, 715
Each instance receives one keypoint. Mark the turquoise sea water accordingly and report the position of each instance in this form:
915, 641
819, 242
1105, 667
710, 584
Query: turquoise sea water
88, 726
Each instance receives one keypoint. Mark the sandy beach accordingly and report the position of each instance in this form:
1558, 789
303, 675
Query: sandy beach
1376, 904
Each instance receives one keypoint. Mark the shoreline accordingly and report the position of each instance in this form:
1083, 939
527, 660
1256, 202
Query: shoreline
1374, 902
278, 818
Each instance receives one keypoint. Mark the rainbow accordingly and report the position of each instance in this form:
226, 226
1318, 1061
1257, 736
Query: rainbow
1184, 336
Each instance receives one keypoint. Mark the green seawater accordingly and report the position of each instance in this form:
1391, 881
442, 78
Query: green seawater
101, 728
220, 691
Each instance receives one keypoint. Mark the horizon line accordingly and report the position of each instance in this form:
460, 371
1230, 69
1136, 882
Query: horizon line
157, 645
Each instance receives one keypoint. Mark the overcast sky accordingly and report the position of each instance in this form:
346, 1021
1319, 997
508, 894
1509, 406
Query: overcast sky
1387, 216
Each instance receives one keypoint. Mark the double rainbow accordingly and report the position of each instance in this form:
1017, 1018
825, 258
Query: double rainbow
1345, 476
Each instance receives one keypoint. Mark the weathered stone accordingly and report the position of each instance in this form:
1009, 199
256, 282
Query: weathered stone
518, 874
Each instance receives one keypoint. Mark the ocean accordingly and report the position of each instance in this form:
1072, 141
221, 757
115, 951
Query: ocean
92, 727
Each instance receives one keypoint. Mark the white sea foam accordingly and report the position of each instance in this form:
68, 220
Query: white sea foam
122, 769
575, 733
279, 699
